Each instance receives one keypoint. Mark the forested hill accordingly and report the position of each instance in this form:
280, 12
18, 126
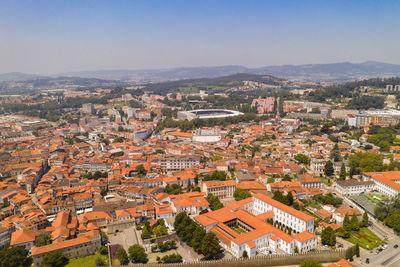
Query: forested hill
208, 83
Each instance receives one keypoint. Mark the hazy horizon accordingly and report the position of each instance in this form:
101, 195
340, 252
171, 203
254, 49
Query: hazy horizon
46, 37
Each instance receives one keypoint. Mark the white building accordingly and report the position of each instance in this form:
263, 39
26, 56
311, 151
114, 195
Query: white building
178, 162
387, 183
354, 187
285, 215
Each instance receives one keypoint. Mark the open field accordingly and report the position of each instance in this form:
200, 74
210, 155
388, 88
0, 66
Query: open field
87, 261
365, 238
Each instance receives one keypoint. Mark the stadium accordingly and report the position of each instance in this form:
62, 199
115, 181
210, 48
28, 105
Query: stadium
207, 114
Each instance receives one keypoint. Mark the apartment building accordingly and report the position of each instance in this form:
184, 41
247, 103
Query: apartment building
220, 189
178, 162
354, 187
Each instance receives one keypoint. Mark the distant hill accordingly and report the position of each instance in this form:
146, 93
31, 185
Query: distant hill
335, 72
17, 76
207, 83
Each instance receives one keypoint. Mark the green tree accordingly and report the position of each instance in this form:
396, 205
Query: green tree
347, 223
215, 204
122, 256
160, 230
103, 250
278, 196
99, 262
289, 197
55, 259
240, 194
328, 237
303, 159
15, 256
364, 221
137, 254
310, 263
342, 174
355, 224
245, 255
357, 250
329, 170
43, 239
210, 246
365, 162
103, 192
140, 170
198, 236
296, 249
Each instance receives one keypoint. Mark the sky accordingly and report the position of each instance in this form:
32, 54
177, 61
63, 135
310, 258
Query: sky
49, 37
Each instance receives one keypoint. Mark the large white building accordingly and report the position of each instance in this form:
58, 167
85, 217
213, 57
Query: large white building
285, 215
220, 189
207, 114
239, 228
354, 187
178, 162
387, 183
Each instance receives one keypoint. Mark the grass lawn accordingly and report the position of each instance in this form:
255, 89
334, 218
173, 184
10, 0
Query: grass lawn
365, 238
153, 256
239, 230
87, 261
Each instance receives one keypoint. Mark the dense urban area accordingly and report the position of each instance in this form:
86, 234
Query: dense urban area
227, 169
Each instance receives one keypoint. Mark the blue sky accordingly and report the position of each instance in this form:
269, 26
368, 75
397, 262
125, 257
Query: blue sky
48, 37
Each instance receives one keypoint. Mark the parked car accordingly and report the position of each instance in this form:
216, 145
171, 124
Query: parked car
367, 261
396, 246
384, 246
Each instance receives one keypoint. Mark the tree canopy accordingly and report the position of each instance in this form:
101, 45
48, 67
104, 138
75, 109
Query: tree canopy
15, 256
55, 259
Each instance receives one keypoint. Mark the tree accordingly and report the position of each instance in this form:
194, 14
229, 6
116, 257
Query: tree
240, 194
342, 174
55, 259
289, 197
355, 224
99, 262
365, 162
43, 239
215, 204
335, 153
350, 254
364, 221
137, 254
122, 256
140, 170
104, 237
197, 238
210, 246
15, 256
303, 159
103, 192
103, 250
160, 230
328, 237
310, 263
278, 196
296, 249
357, 250
245, 255
346, 223
329, 170
172, 258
